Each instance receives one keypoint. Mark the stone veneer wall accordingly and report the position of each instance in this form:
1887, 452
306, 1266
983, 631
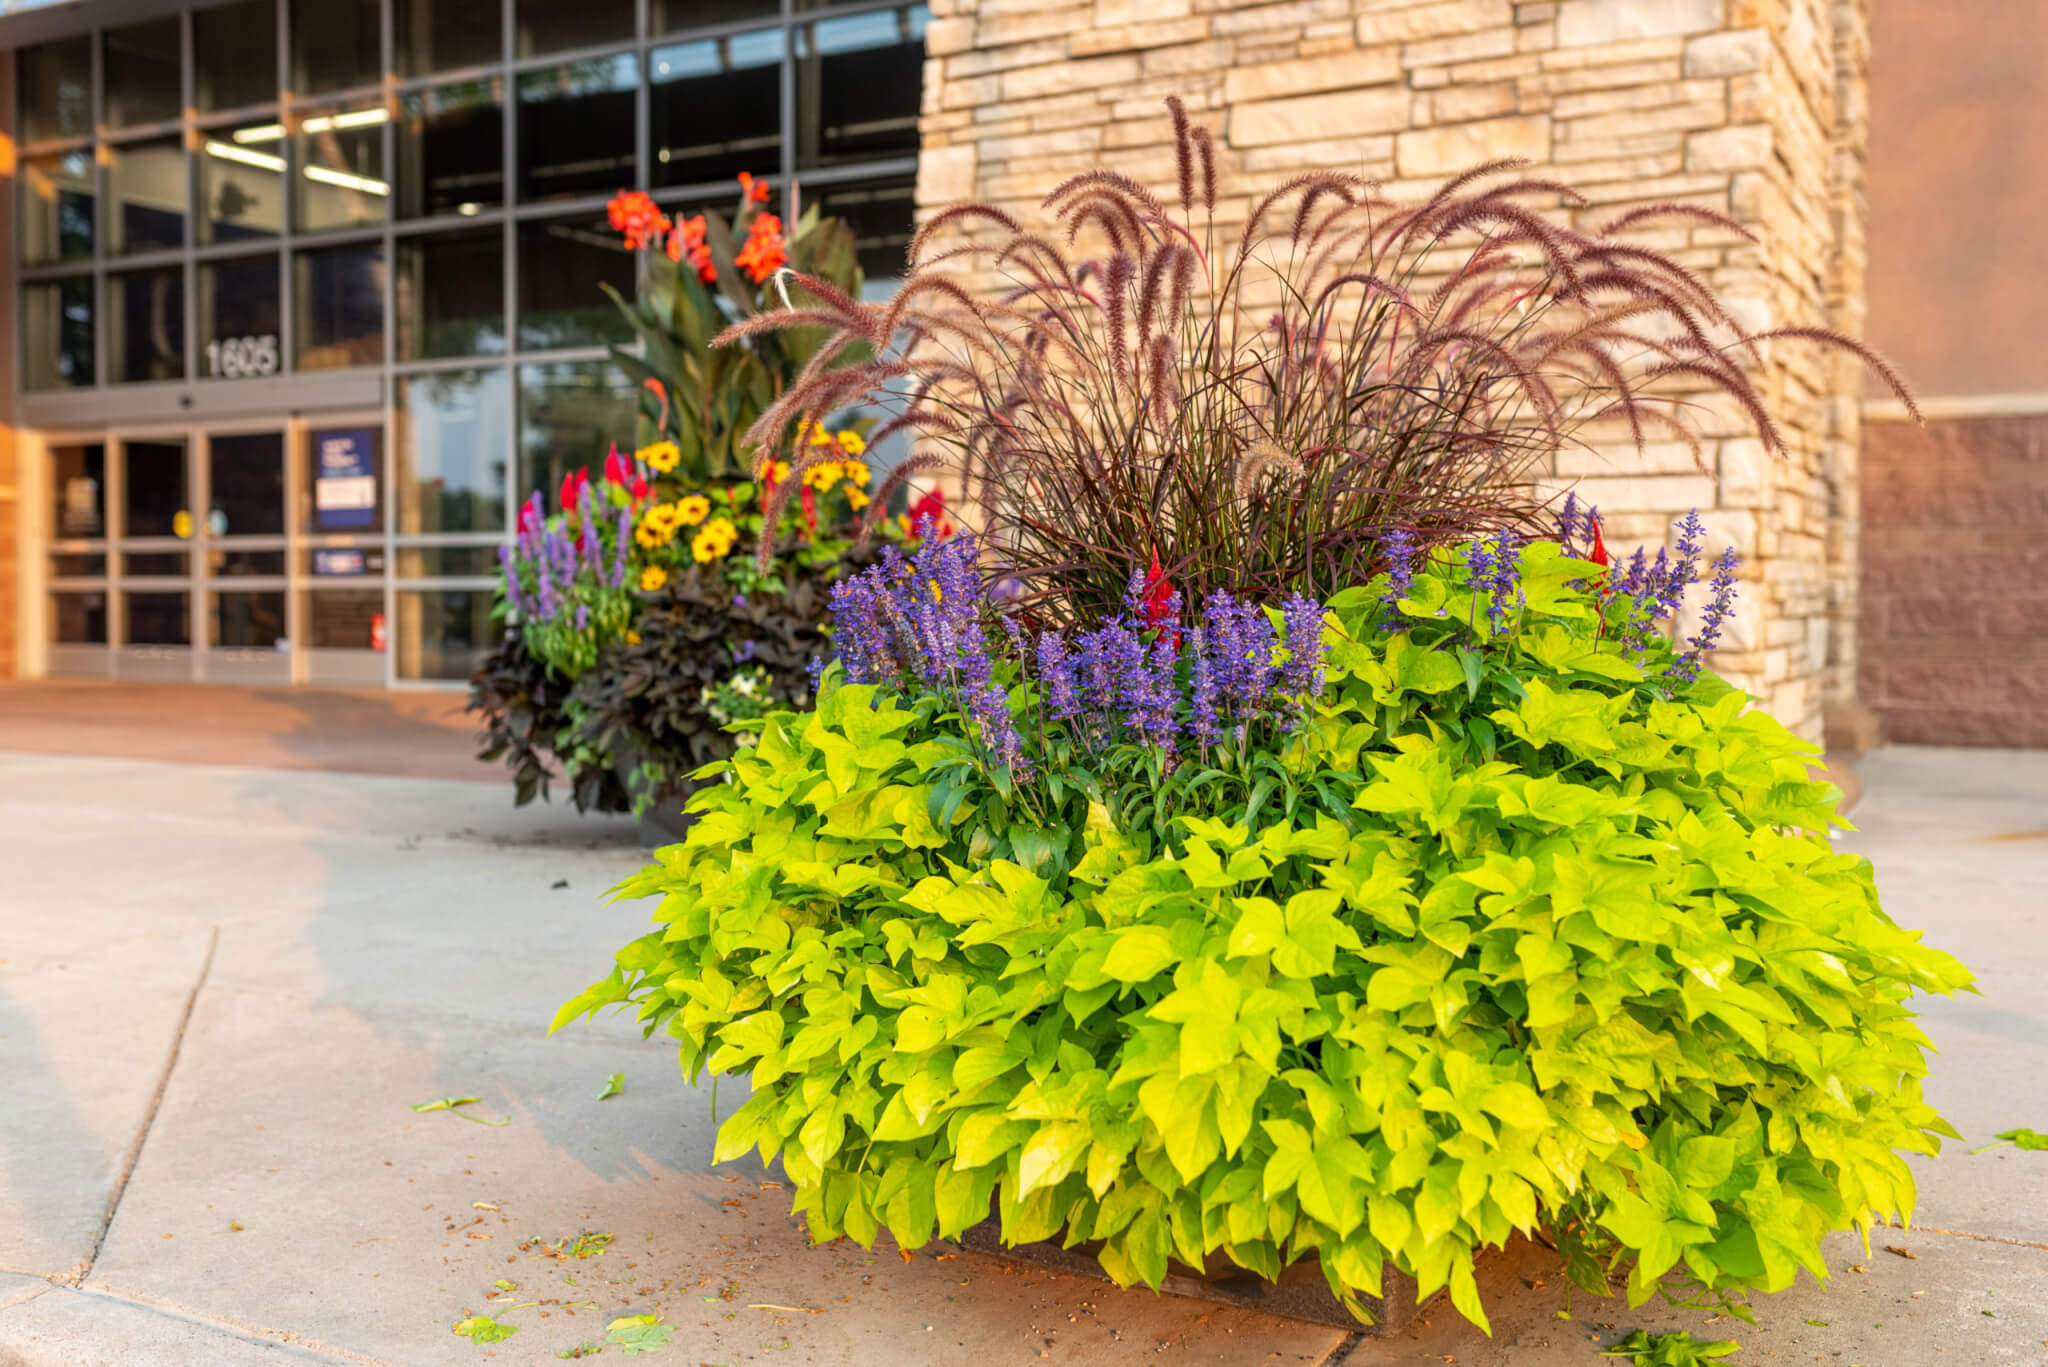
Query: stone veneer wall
1753, 107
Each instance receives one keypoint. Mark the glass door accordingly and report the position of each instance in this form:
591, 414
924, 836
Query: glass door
343, 602
80, 598
153, 566
244, 595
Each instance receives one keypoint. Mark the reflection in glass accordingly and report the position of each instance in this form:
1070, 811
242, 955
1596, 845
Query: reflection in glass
446, 562
155, 488
146, 195
141, 65
880, 214
92, 565
440, 35
552, 26
667, 16
234, 55
245, 471
576, 128
858, 86
340, 307
570, 412
249, 619
451, 294
241, 564
334, 44
239, 314
146, 325
56, 332
55, 83
78, 486
340, 156
563, 265
158, 619
156, 565
78, 619
56, 207
716, 107
452, 450
444, 633
241, 183
451, 149
341, 619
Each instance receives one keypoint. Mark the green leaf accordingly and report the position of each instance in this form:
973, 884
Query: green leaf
1138, 955
450, 1103
486, 1328
638, 1334
613, 1085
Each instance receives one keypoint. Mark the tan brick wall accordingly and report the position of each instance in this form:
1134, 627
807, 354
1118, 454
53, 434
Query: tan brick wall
1752, 107
1955, 581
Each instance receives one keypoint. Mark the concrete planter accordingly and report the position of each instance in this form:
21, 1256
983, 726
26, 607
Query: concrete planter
1300, 1294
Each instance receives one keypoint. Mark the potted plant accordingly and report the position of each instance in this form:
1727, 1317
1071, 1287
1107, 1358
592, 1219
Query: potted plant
1278, 837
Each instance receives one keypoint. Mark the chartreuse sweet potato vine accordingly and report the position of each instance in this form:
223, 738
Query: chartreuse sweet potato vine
1519, 931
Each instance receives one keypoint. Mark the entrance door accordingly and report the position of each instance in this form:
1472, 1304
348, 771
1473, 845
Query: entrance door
244, 593
344, 603
154, 558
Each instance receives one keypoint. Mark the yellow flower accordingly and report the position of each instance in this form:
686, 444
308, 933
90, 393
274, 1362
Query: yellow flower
824, 475
850, 442
652, 578
858, 497
692, 510
632, 638
857, 472
774, 472
714, 541
652, 535
813, 433
662, 456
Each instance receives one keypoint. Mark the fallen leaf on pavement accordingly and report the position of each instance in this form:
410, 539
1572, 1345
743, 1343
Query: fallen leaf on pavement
450, 1103
613, 1085
1903, 1253
792, 1309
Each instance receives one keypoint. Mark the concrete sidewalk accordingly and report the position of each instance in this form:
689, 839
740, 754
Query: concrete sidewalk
222, 989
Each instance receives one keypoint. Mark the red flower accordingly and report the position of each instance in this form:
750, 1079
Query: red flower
617, 470
572, 486
1158, 596
1598, 555
631, 212
927, 517
810, 502
764, 253
641, 489
529, 516
688, 241
751, 189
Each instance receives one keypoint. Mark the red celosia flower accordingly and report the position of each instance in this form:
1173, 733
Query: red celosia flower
1157, 598
927, 517
634, 214
529, 516
751, 189
572, 486
764, 253
641, 488
810, 502
1598, 555
617, 470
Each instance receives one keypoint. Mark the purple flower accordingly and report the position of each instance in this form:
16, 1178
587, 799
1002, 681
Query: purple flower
1568, 523
1202, 699
1503, 580
1400, 547
1303, 676
1720, 604
1692, 538
1056, 677
619, 546
508, 566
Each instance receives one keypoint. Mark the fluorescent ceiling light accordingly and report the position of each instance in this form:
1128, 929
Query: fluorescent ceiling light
262, 132
347, 181
227, 151
354, 118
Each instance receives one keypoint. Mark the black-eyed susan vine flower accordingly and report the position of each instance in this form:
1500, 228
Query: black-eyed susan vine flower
692, 510
715, 541
662, 456
653, 578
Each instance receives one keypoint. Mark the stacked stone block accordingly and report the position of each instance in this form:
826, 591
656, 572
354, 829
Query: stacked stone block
1751, 107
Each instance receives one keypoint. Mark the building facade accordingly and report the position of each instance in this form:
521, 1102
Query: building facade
305, 296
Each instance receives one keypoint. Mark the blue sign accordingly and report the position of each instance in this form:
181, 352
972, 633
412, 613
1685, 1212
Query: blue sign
345, 479
339, 563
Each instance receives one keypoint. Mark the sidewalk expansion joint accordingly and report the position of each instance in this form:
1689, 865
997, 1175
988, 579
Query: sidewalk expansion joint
299, 1345
78, 1274
1981, 1238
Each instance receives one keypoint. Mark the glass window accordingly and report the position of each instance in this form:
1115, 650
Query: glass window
142, 67
56, 89
570, 412
452, 449
154, 501
451, 149
158, 619
446, 562
78, 486
249, 620
716, 108
451, 294
245, 474
666, 16
241, 183
146, 195
340, 307
440, 35
551, 26
576, 128
234, 55
87, 566
239, 317
156, 565
444, 633
342, 619
881, 215
563, 266
858, 86
57, 333
335, 45
78, 619
57, 196
341, 184
146, 325
342, 562
244, 564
